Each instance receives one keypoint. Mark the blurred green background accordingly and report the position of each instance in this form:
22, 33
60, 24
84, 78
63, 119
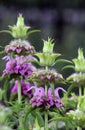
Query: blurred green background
62, 20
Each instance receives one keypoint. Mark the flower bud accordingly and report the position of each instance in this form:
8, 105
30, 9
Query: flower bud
20, 21
79, 62
48, 46
19, 30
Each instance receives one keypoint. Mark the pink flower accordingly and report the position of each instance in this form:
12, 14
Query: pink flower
39, 97
24, 88
19, 66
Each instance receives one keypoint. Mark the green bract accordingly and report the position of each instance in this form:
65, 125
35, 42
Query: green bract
79, 62
46, 59
48, 46
20, 30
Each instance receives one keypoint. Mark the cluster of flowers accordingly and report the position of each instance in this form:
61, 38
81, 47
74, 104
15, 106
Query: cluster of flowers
46, 77
19, 52
20, 47
19, 66
38, 96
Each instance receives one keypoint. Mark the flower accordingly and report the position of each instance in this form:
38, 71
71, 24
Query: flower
77, 77
44, 77
19, 66
39, 97
19, 47
58, 102
24, 88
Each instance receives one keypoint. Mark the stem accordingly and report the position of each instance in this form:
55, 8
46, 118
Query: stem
19, 92
46, 112
46, 121
80, 91
84, 90
80, 94
78, 128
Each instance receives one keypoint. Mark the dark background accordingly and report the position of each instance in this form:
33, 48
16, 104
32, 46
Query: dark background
62, 20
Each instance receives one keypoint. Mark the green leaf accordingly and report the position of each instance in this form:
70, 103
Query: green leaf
40, 119
2, 52
68, 66
33, 31
3, 77
6, 31
30, 110
5, 89
63, 60
37, 125
59, 118
71, 87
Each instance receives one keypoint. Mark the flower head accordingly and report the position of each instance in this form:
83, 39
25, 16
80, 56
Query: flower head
19, 47
39, 98
19, 67
77, 77
25, 86
45, 77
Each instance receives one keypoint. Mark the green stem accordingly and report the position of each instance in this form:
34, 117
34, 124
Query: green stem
46, 121
84, 90
80, 91
46, 112
78, 128
19, 92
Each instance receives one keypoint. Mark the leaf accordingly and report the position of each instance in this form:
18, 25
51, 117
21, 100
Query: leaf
33, 31
39, 119
6, 31
37, 125
68, 66
63, 60
2, 52
5, 89
70, 88
59, 118
1, 47
30, 110
3, 77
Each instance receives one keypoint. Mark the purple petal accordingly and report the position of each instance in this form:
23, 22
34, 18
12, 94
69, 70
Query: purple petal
15, 87
57, 91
